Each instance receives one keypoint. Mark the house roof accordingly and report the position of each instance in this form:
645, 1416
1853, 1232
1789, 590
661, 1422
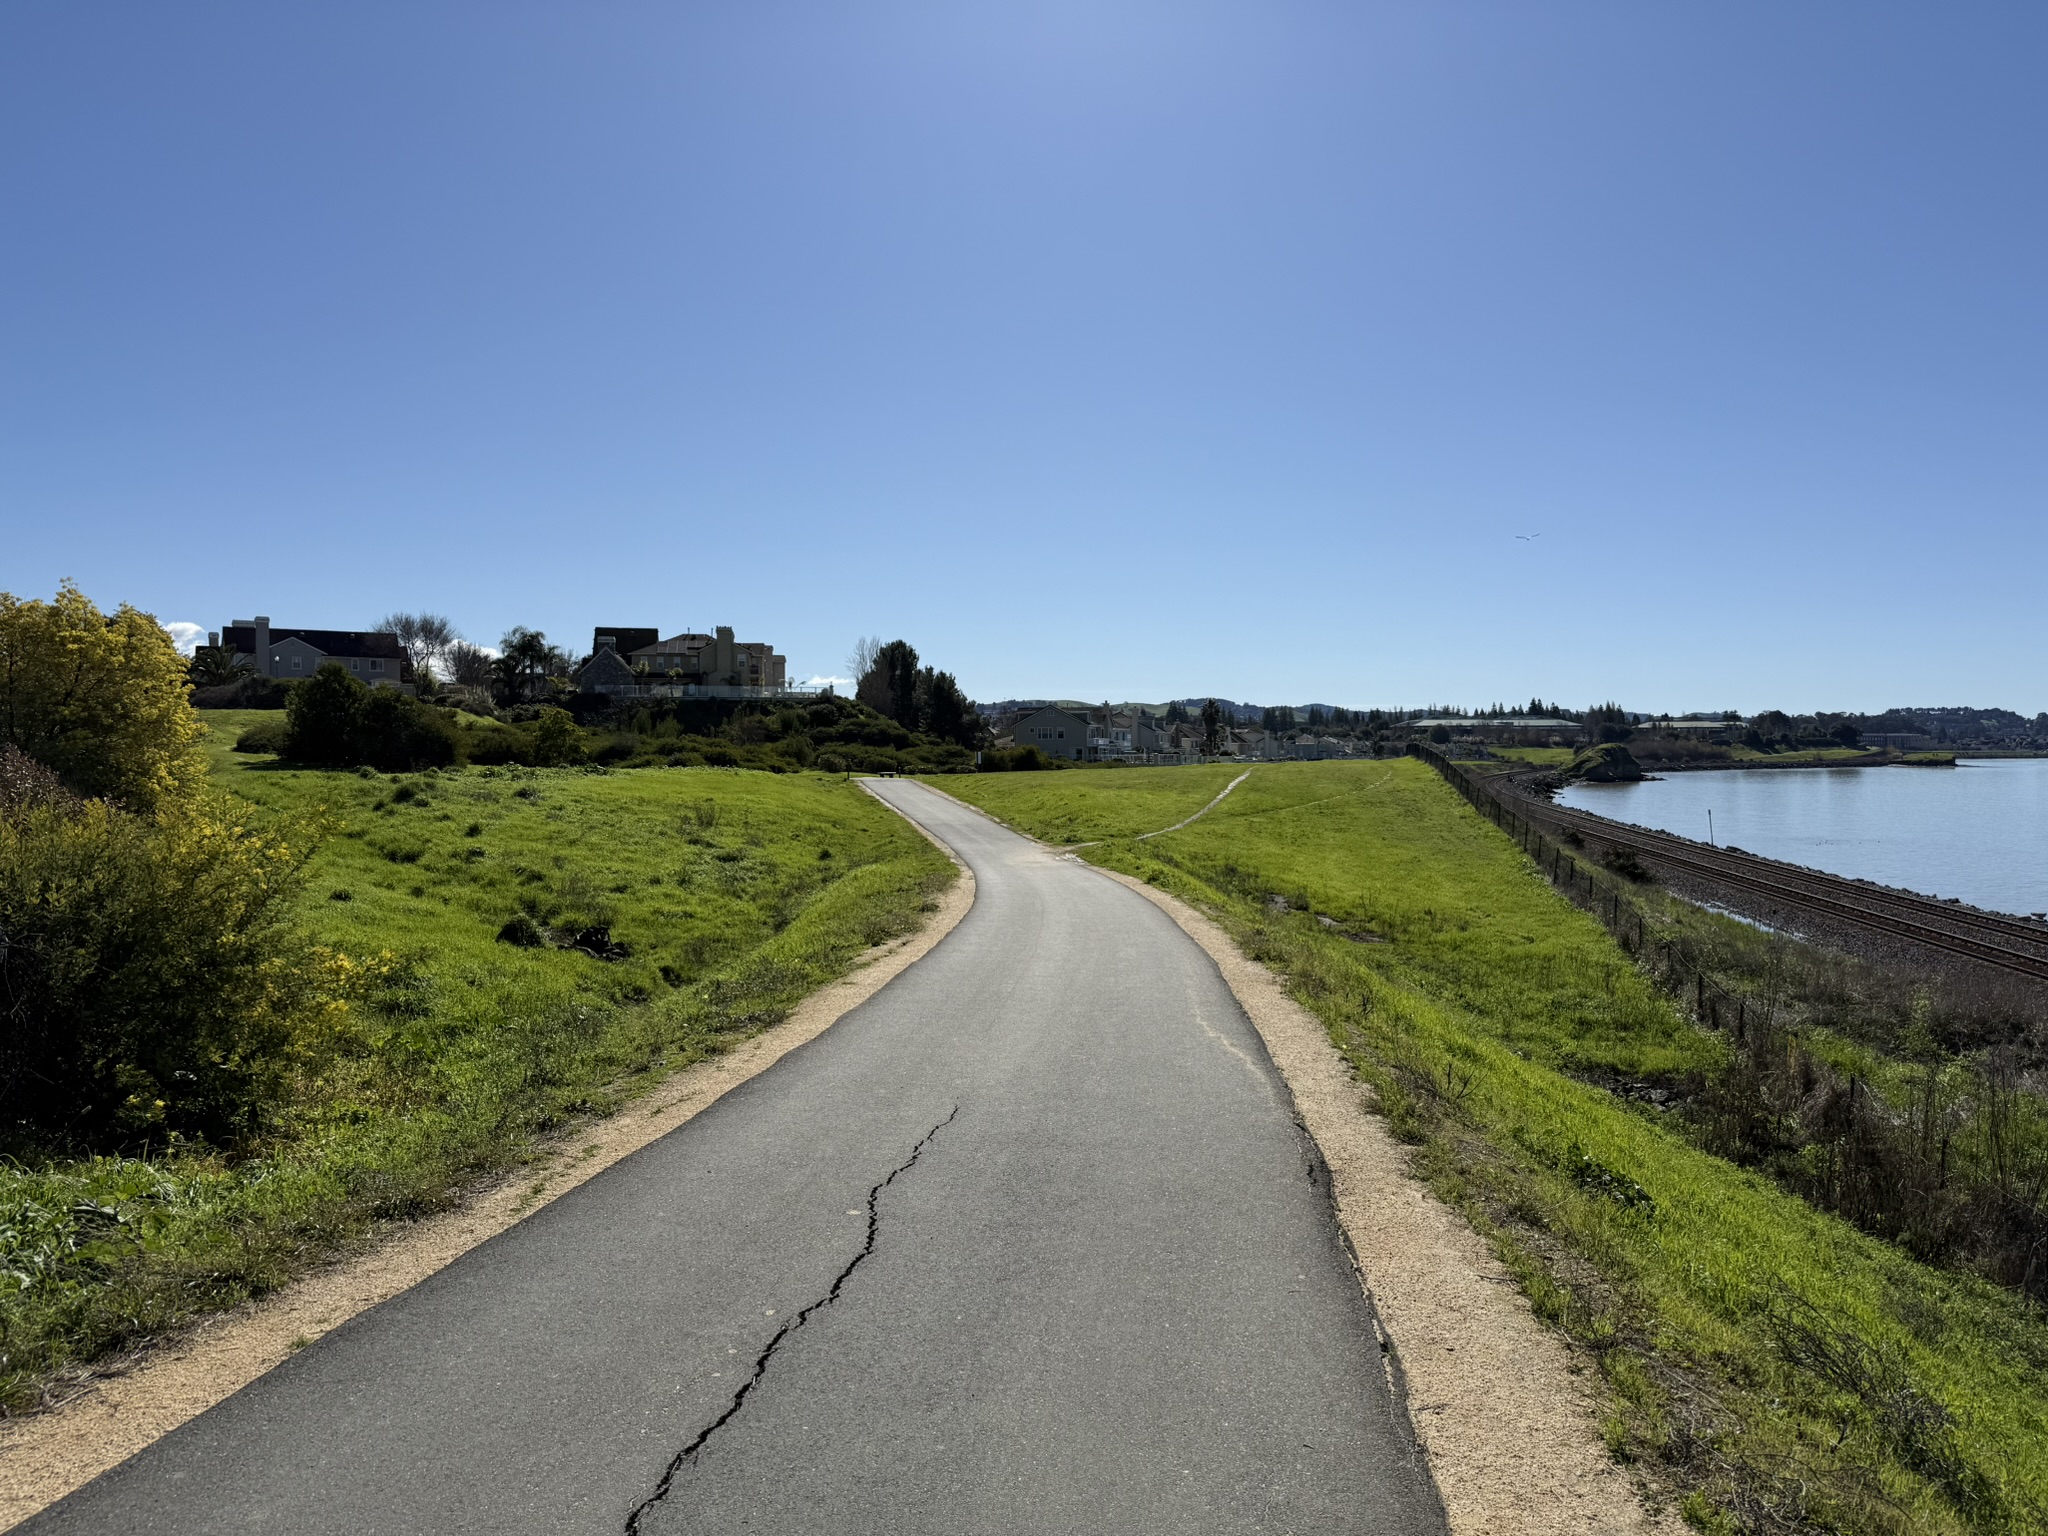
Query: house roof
695, 645
328, 642
1049, 709
604, 666
625, 639
684, 645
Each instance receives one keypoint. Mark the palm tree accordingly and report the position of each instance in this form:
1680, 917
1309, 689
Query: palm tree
215, 666
507, 681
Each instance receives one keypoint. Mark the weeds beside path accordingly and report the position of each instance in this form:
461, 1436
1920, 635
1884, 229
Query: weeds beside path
722, 898
1782, 1371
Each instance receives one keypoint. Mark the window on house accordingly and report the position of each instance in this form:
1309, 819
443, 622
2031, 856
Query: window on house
376, 666
298, 663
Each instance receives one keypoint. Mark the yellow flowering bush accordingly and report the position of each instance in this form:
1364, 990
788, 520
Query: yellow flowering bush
102, 701
152, 978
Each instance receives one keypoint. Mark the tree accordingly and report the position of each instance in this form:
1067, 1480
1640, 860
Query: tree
1440, 734
215, 666
1212, 728
333, 721
324, 717
469, 666
889, 685
426, 639
865, 649
508, 680
944, 711
527, 657
103, 702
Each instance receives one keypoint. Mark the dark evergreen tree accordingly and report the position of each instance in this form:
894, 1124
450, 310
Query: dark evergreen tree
889, 686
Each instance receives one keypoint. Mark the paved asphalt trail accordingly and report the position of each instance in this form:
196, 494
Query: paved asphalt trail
1028, 1243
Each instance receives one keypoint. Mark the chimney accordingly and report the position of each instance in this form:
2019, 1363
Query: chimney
213, 639
261, 624
722, 668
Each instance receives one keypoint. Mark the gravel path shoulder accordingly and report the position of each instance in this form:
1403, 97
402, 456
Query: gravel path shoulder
1509, 1426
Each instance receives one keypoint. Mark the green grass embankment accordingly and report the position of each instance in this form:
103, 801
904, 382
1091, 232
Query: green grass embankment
1536, 757
452, 1053
1782, 1370
1117, 802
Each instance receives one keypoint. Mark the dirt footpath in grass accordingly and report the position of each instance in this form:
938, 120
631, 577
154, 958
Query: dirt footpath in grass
126, 1406
1511, 1431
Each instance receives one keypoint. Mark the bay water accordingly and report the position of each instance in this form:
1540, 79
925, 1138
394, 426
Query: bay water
1978, 830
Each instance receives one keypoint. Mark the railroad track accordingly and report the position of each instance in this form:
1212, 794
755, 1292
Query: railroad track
2010, 943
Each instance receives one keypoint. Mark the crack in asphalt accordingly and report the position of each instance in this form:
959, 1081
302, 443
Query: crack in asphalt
688, 1454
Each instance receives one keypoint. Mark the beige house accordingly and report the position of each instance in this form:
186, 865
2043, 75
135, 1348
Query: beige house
634, 661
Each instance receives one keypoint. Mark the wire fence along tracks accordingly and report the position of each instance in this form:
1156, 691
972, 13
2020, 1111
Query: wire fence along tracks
2010, 943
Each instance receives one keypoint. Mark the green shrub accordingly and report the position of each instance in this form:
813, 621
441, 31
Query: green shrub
495, 749
522, 932
250, 691
322, 719
333, 721
154, 976
267, 736
400, 734
1016, 760
556, 739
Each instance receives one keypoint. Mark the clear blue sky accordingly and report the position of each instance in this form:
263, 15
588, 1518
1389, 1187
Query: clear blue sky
1098, 349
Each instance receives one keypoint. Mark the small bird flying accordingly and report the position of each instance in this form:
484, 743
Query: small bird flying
1529, 537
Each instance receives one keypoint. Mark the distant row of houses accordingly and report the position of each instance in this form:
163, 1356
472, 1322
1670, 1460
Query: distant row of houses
1131, 736
625, 662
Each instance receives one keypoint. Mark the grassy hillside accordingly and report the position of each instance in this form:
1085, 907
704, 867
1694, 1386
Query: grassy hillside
717, 899
1784, 1370
1120, 802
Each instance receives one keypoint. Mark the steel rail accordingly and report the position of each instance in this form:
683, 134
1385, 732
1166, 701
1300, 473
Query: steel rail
1798, 891
1922, 907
